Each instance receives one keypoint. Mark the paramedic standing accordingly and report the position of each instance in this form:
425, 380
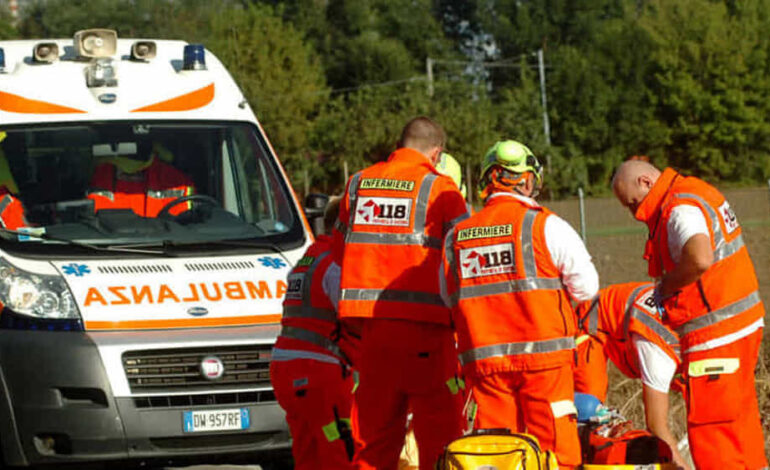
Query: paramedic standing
309, 370
510, 272
706, 290
388, 242
621, 322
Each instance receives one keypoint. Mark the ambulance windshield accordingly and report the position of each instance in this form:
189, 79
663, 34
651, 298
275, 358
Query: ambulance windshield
142, 183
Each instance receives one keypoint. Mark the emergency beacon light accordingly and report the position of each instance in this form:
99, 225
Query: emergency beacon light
194, 57
2, 59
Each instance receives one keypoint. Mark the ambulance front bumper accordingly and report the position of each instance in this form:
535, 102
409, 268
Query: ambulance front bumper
64, 399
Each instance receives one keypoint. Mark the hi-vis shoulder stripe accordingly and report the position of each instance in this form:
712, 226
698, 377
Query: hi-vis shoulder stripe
389, 184
484, 232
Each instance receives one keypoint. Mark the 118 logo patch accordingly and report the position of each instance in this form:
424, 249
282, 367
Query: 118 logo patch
383, 211
487, 260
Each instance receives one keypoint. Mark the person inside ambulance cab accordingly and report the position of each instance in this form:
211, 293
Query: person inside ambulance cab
142, 181
11, 209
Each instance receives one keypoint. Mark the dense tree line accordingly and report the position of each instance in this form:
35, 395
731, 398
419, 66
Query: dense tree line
685, 82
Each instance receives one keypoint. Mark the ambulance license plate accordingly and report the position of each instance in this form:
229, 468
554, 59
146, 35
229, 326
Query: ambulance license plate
216, 420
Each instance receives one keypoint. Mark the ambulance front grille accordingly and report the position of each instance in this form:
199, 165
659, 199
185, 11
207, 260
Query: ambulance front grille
176, 370
220, 266
206, 399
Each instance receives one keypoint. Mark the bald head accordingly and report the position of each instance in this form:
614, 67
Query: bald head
424, 135
632, 181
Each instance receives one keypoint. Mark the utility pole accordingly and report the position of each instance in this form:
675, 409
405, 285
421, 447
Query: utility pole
429, 71
543, 98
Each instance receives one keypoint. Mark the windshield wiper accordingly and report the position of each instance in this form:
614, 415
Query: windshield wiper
44, 236
238, 242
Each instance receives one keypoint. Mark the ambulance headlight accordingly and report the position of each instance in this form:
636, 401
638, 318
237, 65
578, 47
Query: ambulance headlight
35, 295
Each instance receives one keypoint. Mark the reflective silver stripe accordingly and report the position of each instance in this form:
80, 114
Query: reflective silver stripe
728, 249
352, 199
457, 220
722, 250
302, 311
4, 203
527, 247
340, 226
654, 325
629, 305
165, 193
310, 336
102, 193
514, 349
306, 310
450, 257
508, 287
728, 311
395, 239
391, 295
593, 317
421, 205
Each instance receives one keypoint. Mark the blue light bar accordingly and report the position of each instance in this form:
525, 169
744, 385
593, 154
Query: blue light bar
2, 58
194, 57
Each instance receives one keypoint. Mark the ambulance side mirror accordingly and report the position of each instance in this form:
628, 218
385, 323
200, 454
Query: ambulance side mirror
315, 204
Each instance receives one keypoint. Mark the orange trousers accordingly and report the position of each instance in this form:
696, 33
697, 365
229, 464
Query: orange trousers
723, 421
317, 400
533, 401
406, 366
591, 369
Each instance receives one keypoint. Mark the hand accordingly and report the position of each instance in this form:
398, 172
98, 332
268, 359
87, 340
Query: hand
658, 298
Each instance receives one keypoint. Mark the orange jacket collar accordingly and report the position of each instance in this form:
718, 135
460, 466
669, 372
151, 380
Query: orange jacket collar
649, 209
407, 155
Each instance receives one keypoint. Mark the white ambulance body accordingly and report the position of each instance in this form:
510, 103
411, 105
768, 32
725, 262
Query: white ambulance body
125, 336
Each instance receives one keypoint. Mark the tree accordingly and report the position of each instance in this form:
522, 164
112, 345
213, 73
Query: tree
279, 73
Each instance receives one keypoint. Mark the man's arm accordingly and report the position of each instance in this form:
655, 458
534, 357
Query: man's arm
656, 413
697, 257
569, 254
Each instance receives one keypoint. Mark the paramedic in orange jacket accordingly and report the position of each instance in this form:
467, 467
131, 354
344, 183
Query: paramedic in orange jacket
11, 209
388, 242
309, 368
622, 323
510, 272
706, 289
144, 184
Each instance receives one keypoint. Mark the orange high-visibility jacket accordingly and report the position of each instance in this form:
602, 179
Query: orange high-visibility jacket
725, 299
510, 309
387, 239
145, 192
309, 321
11, 211
622, 309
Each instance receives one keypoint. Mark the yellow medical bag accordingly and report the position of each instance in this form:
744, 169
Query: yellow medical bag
496, 449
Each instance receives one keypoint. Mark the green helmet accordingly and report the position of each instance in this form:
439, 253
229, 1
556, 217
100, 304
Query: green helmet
447, 165
514, 157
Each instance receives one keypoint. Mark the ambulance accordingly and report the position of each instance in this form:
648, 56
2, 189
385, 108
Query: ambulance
147, 231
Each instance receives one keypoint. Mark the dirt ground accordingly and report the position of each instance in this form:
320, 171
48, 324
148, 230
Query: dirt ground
616, 241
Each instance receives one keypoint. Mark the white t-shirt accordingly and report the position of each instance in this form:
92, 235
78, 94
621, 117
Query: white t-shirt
685, 222
656, 367
331, 284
